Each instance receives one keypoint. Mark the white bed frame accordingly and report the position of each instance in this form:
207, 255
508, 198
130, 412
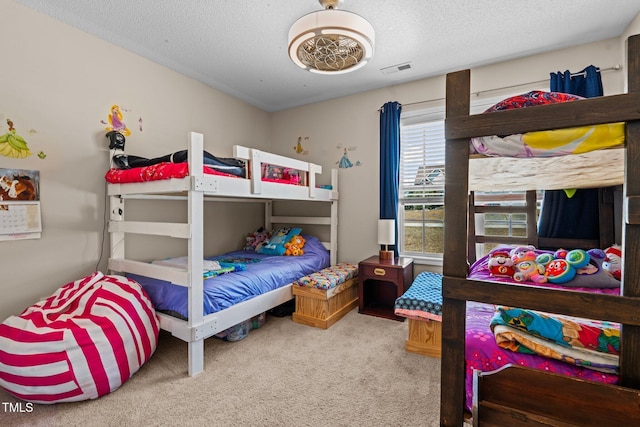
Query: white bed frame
196, 189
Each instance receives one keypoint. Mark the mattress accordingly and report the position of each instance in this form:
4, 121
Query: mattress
262, 273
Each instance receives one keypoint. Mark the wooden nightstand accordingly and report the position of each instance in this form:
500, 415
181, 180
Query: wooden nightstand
381, 282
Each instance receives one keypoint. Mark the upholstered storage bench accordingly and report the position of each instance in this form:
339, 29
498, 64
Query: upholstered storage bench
324, 297
422, 305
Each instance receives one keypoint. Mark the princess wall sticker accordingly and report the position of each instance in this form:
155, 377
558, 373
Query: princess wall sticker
299, 148
344, 162
15, 146
116, 122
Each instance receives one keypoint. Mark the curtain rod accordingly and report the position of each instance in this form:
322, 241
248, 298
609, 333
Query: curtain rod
478, 93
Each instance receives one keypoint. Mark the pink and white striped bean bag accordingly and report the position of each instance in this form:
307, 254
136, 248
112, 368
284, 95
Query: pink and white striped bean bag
82, 342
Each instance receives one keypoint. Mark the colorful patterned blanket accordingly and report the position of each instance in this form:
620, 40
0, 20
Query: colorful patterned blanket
330, 277
581, 342
212, 267
423, 299
558, 142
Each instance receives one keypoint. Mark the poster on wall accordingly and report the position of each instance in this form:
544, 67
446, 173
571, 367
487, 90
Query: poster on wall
20, 216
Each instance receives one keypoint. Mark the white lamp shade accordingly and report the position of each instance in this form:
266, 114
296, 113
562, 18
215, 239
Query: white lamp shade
386, 231
331, 42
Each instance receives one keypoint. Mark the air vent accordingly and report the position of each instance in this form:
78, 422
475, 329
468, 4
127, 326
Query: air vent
396, 68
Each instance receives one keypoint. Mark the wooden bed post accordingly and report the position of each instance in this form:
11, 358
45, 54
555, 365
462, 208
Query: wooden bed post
334, 220
455, 253
196, 253
630, 345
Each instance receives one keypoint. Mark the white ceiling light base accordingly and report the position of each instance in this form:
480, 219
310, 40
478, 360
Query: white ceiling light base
331, 41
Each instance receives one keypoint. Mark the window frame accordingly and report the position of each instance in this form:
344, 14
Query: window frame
431, 114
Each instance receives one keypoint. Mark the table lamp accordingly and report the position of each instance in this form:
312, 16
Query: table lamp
386, 237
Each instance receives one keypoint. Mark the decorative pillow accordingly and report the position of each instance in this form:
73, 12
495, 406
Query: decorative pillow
535, 97
275, 245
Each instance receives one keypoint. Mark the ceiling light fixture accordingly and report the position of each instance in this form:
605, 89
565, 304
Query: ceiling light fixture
331, 41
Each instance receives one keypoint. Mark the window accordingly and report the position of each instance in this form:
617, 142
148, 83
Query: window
421, 191
502, 223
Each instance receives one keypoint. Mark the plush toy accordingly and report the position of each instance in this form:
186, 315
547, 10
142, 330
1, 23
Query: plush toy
526, 267
562, 266
519, 252
256, 239
613, 261
500, 264
294, 246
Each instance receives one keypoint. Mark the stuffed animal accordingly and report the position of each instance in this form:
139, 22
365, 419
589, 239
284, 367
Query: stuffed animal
519, 252
613, 261
562, 266
256, 239
294, 246
500, 264
526, 267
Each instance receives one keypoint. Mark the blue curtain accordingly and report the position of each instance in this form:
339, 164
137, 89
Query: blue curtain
390, 162
575, 217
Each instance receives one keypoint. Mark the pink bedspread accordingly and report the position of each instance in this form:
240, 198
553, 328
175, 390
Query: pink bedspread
484, 354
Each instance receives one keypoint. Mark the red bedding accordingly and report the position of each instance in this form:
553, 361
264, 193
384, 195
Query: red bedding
156, 172
168, 170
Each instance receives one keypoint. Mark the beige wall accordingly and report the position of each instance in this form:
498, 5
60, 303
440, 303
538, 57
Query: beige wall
61, 82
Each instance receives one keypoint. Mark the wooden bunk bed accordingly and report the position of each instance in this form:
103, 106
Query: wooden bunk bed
195, 189
624, 309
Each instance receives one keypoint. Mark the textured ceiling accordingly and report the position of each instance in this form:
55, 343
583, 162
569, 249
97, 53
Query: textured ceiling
240, 46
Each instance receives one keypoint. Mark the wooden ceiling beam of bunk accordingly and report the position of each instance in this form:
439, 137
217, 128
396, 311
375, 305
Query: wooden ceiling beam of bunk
607, 307
586, 112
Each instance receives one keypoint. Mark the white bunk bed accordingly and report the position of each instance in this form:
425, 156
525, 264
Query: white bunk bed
195, 189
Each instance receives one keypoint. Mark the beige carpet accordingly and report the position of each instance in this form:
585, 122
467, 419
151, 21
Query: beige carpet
355, 373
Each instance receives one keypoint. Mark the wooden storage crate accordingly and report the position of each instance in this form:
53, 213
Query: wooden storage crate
425, 337
322, 308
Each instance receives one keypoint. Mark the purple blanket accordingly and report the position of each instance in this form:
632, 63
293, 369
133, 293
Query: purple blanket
223, 291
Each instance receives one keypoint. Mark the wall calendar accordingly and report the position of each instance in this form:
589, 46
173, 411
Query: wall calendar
20, 216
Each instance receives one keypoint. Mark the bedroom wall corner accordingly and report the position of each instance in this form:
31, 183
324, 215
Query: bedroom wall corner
58, 91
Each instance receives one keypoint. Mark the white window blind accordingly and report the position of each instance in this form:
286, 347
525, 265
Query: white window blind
421, 192
422, 162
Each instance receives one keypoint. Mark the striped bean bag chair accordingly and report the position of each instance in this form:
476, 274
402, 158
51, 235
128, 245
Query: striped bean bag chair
82, 342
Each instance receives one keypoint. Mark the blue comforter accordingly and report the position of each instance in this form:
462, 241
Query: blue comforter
263, 273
